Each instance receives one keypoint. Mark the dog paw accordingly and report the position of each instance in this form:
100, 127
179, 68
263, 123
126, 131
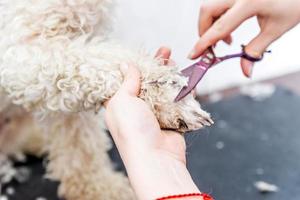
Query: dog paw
183, 116
192, 115
159, 91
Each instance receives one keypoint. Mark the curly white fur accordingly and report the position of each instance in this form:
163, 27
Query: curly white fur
58, 61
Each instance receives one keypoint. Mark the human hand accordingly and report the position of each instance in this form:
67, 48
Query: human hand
131, 120
149, 153
219, 18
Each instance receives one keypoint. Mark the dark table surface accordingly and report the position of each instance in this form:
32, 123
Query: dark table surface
251, 141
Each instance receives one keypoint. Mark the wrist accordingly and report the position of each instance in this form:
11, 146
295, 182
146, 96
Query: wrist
155, 174
168, 143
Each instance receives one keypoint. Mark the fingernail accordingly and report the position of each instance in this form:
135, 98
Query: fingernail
192, 54
250, 66
228, 42
124, 68
250, 72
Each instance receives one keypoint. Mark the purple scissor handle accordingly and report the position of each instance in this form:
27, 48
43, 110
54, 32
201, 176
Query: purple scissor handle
208, 59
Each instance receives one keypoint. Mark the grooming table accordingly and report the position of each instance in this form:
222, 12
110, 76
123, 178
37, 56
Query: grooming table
251, 141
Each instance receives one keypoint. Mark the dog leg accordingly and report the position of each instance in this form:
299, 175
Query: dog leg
19, 133
78, 159
81, 75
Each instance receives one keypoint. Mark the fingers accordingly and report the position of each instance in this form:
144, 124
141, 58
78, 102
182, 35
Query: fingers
222, 28
210, 11
256, 48
228, 40
164, 53
131, 83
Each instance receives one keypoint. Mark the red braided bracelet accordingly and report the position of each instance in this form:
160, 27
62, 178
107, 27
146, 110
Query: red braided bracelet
203, 195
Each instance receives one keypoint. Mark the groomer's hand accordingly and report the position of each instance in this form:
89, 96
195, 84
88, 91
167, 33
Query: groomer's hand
154, 159
131, 120
219, 18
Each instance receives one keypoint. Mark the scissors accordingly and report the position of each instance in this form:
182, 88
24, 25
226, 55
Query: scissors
196, 71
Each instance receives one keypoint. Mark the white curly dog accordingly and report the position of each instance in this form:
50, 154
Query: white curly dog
57, 67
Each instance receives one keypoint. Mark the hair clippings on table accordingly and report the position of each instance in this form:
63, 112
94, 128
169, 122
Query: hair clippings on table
203, 195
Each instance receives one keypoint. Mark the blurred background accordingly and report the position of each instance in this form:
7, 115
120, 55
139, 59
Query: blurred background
252, 152
173, 23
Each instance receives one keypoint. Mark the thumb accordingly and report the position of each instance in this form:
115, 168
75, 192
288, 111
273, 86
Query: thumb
131, 82
256, 48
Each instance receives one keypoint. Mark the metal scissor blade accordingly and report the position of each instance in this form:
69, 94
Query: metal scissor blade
208, 59
209, 55
188, 71
196, 75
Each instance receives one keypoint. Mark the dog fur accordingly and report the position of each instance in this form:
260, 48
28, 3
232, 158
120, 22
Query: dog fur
57, 67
